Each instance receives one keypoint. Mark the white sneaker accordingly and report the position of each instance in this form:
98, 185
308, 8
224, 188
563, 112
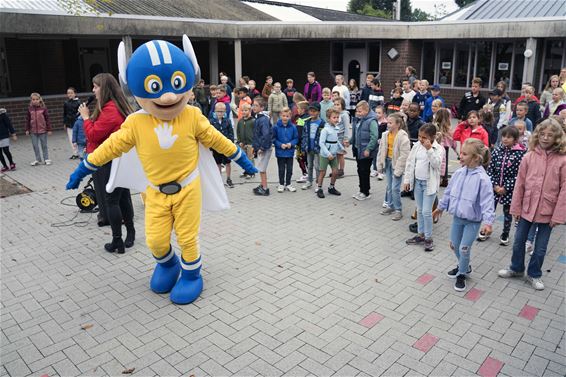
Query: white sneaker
374, 173
306, 186
529, 247
385, 205
380, 177
536, 283
47, 162
356, 194
34, 163
362, 196
508, 273
280, 188
290, 188
302, 179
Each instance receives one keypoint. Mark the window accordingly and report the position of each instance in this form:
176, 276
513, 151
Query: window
503, 63
337, 57
483, 62
446, 55
462, 64
373, 57
428, 60
519, 64
553, 59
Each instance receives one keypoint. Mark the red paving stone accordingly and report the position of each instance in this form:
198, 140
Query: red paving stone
473, 294
490, 367
529, 312
371, 320
424, 279
426, 342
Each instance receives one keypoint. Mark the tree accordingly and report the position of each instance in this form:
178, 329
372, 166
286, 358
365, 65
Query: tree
421, 15
463, 3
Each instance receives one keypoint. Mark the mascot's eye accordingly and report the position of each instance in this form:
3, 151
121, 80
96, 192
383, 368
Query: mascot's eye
152, 84
178, 80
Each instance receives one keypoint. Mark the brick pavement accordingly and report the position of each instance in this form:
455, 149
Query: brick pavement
294, 285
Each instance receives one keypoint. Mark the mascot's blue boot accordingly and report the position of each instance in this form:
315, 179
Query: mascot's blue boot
166, 273
189, 286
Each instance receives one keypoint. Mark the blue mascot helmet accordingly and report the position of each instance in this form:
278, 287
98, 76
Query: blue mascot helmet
158, 67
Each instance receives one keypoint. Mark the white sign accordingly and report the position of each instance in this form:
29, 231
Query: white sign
446, 65
503, 67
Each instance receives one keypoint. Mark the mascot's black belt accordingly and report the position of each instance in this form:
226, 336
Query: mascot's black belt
174, 187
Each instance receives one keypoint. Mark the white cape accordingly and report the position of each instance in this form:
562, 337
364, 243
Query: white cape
127, 172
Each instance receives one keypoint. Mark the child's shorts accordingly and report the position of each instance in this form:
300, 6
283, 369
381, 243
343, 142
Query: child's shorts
220, 158
325, 162
263, 160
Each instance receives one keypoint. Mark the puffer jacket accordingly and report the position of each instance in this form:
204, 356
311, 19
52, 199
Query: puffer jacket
276, 102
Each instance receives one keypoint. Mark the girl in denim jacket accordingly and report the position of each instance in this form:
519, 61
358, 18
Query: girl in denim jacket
469, 198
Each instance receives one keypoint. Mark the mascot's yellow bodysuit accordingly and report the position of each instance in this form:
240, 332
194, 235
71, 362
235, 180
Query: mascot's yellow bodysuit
166, 135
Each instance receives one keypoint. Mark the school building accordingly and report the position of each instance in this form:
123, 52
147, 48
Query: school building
45, 48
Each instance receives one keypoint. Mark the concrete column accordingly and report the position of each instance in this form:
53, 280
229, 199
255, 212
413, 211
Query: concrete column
128, 45
213, 59
529, 68
129, 96
237, 59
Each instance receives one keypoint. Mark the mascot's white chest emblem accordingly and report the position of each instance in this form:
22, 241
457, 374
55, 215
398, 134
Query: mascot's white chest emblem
164, 135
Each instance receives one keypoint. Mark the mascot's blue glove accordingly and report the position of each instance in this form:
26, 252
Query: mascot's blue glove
241, 159
84, 169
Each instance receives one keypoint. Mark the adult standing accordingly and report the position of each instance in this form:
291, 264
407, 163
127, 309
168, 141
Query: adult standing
312, 90
110, 111
411, 74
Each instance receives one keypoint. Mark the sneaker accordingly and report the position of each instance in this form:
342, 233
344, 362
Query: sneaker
12, 166
306, 186
361, 196
4, 169
47, 162
454, 272
333, 191
509, 273
280, 188
261, 191
482, 237
250, 176
356, 194
398, 215
380, 177
536, 283
256, 189
428, 245
460, 284
384, 205
504, 239
374, 173
387, 211
416, 240
290, 188
73, 157
320, 193
244, 175
229, 183
34, 163
529, 247
302, 179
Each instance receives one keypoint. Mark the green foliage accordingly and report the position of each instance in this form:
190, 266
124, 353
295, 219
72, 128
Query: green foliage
420, 15
368, 10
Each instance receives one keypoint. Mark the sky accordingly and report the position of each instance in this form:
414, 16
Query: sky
426, 5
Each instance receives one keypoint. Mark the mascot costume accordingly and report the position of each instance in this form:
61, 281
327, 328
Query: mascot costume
168, 163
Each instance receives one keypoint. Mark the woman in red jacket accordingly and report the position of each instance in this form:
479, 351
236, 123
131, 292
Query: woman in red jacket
111, 110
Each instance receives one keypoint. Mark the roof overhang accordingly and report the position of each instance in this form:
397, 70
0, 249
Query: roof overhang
148, 26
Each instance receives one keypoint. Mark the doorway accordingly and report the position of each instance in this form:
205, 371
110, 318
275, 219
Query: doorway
354, 71
355, 60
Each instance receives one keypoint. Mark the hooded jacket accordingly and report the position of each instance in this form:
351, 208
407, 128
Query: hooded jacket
434, 155
262, 132
6, 128
503, 169
37, 120
285, 134
315, 94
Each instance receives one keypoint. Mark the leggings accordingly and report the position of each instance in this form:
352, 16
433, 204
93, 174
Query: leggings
6, 151
447, 149
119, 207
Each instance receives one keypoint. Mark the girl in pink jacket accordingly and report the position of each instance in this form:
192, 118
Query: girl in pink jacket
38, 126
539, 198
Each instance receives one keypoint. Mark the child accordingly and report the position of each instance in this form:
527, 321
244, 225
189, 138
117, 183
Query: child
408, 92
503, 170
381, 128
252, 91
471, 100
414, 122
267, 88
394, 105
521, 114
289, 92
277, 101
244, 99
245, 132
262, 141
469, 198
533, 107
200, 96
376, 97
432, 103
70, 113
309, 142
442, 122
343, 133
302, 116
422, 95
501, 109
394, 150
285, 138
556, 104
364, 146
326, 103
222, 124
355, 97
192, 101
79, 138
539, 198
330, 145
220, 96
422, 175
486, 120
6, 130
471, 128
524, 135
396, 85
38, 125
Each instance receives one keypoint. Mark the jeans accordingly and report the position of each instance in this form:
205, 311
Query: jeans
532, 233
36, 139
537, 259
285, 165
364, 166
424, 208
507, 217
312, 163
462, 236
393, 191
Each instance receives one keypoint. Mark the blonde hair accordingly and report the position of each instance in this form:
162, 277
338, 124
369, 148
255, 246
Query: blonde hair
298, 97
246, 106
303, 105
37, 95
399, 119
559, 136
548, 84
479, 151
426, 82
331, 111
285, 110
326, 90
442, 120
363, 104
560, 91
437, 102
